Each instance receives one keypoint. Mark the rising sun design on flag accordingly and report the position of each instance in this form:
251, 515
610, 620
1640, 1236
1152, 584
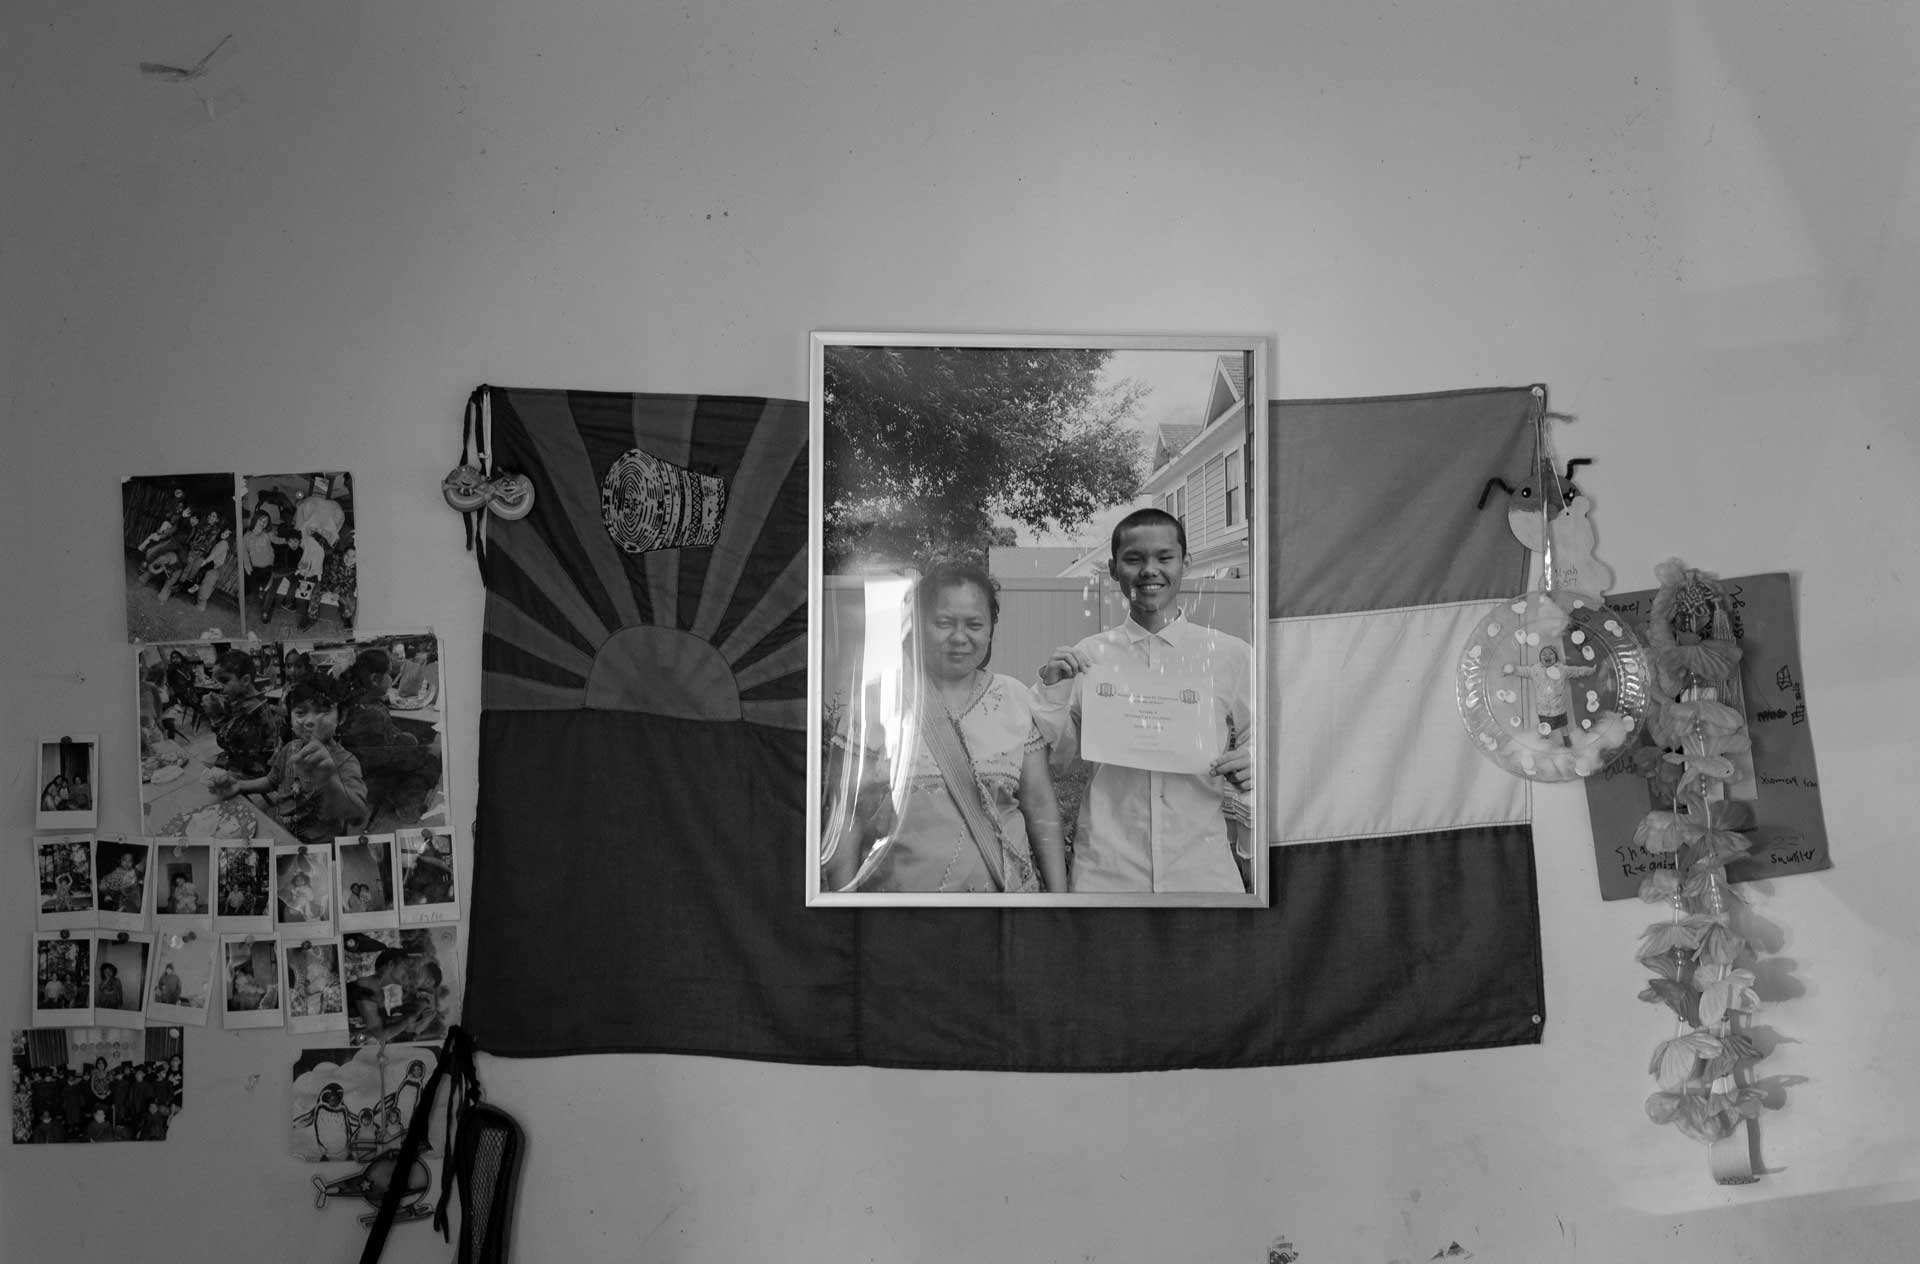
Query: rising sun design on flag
697, 615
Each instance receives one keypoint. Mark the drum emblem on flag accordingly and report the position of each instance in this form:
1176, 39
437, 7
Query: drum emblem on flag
649, 504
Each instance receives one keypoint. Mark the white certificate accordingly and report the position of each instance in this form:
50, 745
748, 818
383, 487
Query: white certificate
1145, 719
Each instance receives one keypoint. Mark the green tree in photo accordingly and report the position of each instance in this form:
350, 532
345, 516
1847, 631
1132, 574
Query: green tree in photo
931, 450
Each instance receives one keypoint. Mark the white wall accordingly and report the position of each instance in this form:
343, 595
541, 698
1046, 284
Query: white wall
1696, 220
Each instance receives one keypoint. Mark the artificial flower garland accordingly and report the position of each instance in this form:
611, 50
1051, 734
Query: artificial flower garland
1698, 959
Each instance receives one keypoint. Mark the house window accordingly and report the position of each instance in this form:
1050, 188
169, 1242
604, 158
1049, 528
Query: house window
1236, 507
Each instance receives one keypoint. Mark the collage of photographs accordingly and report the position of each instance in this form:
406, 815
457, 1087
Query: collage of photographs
295, 862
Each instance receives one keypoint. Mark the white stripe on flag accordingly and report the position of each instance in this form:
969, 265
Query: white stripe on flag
1370, 739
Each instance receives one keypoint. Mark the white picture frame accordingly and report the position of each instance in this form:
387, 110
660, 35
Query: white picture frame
933, 446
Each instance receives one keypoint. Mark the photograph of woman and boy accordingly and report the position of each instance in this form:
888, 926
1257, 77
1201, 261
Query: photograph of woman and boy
297, 554
179, 535
978, 759
301, 742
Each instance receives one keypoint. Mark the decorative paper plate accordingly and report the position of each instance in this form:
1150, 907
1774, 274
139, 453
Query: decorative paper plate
1553, 685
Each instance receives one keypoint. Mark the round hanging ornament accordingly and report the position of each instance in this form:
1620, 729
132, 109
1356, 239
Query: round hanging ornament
1552, 685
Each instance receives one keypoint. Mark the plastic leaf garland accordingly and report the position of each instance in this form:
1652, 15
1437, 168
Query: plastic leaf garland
1698, 956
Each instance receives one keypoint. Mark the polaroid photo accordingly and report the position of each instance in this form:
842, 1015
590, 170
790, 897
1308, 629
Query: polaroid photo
368, 880
182, 990
303, 891
427, 889
122, 881
121, 963
68, 774
250, 982
63, 875
182, 884
180, 535
356, 1103
297, 553
388, 736
210, 724
80, 1084
316, 994
402, 984
63, 978
242, 888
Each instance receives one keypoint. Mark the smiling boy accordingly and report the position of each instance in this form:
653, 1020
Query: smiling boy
314, 786
1140, 830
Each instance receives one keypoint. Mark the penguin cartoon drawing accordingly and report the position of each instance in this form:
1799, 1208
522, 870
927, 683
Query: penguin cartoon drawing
407, 1096
331, 1122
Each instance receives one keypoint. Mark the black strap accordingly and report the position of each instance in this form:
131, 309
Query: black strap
472, 432
456, 1064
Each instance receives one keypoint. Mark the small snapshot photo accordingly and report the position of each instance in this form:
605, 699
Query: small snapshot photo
212, 720
183, 884
297, 555
388, 720
96, 1083
401, 984
183, 967
62, 979
243, 887
356, 1103
316, 994
69, 773
367, 882
63, 868
121, 882
179, 533
252, 994
120, 990
1037, 562
426, 877
303, 890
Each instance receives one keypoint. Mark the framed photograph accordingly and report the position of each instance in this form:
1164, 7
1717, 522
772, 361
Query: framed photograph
1036, 566
182, 987
251, 995
122, 881
120, 977
179, 533
297, 554
63, 874
368, 881
182, 884
68, 776
62, 978
96, 1083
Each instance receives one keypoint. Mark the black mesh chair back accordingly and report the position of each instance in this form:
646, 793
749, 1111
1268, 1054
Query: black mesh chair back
486, 1161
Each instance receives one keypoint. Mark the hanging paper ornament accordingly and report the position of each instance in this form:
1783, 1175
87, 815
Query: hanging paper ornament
1552, 685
